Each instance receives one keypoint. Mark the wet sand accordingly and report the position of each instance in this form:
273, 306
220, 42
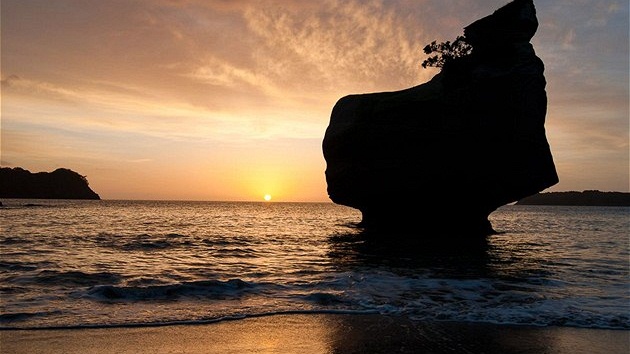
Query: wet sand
320, 333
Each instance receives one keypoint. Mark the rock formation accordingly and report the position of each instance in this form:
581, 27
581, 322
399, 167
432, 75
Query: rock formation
445, 154
62, 183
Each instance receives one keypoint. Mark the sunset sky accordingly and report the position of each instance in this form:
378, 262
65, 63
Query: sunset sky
230, 99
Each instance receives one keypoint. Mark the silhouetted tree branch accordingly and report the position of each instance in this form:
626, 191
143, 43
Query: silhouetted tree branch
446, 51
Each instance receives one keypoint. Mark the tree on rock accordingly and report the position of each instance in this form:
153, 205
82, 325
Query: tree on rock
446, 52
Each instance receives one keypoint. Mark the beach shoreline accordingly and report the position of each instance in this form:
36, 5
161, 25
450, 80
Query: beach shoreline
320, 333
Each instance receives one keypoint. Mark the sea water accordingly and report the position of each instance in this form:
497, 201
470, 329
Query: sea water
68, 264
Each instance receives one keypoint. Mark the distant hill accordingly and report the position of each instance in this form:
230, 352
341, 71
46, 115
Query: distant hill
62, 183
586, 198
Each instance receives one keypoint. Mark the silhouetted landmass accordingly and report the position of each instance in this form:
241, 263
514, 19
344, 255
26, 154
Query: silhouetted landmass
59, 184
585, 198
441, 156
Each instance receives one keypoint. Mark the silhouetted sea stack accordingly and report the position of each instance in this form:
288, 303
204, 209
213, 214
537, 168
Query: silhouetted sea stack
443, 155
62, 183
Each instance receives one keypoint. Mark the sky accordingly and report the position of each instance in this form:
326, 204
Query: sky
230, 99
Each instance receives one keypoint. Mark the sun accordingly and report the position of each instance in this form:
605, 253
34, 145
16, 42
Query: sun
267, 197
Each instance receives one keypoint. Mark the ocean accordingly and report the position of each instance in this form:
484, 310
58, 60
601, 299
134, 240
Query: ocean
83, 264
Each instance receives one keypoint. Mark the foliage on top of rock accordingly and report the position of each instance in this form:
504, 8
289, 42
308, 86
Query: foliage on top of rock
446, 52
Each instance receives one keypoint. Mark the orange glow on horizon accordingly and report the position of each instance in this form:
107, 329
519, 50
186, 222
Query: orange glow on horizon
182, 110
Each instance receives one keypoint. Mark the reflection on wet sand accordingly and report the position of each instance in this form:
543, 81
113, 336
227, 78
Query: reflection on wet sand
320, 334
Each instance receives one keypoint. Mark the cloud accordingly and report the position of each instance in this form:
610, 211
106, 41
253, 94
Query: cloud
208, 73
568, 40
119, 109
346, 42
14, 84
292, 54
225, 55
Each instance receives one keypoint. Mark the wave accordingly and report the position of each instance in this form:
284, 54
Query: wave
21, 316
427, 299
10, 318
148, 242
142, 242
208, 289
67, 278
325, 299
17, 266
13, 240
210, 320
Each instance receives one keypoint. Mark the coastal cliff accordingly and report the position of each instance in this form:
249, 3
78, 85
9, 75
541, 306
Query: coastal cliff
443, 155
59, 184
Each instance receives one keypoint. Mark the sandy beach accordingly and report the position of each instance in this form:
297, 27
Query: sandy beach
321, 333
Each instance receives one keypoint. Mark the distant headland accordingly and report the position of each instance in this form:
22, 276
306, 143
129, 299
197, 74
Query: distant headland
585, 198
62, 183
